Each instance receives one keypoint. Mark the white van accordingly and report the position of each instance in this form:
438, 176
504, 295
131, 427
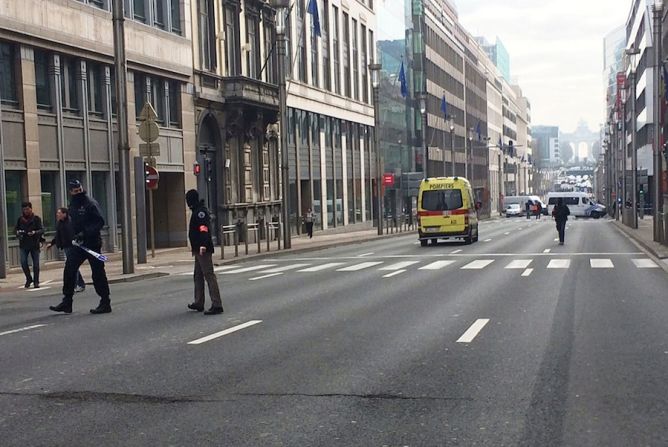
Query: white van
579, 203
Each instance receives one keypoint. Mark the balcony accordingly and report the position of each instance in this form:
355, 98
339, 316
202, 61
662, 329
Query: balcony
248, 91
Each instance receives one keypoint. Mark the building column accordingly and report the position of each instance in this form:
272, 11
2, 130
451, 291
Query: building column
31, 128
344, 177
362, 143
323, 184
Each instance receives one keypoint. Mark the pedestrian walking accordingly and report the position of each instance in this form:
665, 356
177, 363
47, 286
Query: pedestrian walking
87, 222
527, 208
308, 221
560, 214
29, 232
199, 234
63, 241
539, 210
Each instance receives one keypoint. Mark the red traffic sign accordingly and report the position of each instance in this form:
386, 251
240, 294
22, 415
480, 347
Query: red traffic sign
388, 179
152, 176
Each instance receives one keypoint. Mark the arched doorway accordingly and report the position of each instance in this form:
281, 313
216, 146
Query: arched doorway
208, 144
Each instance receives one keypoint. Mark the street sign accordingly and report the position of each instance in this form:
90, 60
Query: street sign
149, 149
152, 177
148, 129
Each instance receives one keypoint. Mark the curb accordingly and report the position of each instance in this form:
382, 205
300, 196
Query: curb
137, 277
642, 245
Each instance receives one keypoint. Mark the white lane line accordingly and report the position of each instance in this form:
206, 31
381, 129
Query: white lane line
225, 332
27, 328
398, 265
317, 268
389, 275
46, 282
547, 250
601, 263
506, 233
472, 332
187, 273
223, 268
527, 272
519, 264
356, 267
437, 265
487, 240
265, 276
559, 264
364, 254
477, 265
248, 269
40, 288
285, 268
645, 263
455, 252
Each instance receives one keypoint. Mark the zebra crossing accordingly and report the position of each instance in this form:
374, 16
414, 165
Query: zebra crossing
392, 268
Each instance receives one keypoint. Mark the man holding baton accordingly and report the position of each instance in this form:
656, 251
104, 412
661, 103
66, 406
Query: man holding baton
87, 222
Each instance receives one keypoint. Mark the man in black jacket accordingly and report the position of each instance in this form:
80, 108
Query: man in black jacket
29, 232
199, 234
87, 223
560, 214
63, 240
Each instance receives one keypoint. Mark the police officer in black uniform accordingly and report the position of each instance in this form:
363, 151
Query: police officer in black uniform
199, 233
87, 222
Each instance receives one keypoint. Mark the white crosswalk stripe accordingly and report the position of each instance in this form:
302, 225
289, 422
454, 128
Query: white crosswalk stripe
519, 264
437, 265
601, 263
398, 265
248, 269
356, 267
318, 268
645, 263
559, 264
478, 264
224, 267
285, 268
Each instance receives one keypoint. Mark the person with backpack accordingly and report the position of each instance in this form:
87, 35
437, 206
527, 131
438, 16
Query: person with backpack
29, 231
63, 240
560, 214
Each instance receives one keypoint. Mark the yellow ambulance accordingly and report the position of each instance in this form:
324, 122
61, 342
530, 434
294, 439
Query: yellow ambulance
446, 210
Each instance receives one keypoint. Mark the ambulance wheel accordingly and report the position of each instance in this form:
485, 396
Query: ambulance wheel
423, 242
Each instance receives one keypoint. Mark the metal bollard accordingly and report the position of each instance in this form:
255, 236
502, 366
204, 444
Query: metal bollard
257, 238
246, 238
267, 225
236, 243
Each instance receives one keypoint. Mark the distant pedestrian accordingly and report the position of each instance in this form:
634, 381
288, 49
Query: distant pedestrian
63, 240
527, 208
539, 210
87, 223
560, 214
29, 232
308, 221
199, 234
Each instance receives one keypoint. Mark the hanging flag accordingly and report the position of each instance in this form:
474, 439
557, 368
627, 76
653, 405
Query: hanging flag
477, 131
313, 10
501, 145
402, 81
444, 107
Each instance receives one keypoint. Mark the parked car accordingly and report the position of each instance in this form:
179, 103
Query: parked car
513, 209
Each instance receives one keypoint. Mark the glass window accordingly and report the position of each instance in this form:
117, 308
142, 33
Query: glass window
335, 51
95, 88
99, 192
8, 66
365, 68
174, 104
207, 35
159, 13
270, 53
140, 92
324, 41
158, 98
356, 63
140, 10
301, 43
442, 200
314, 55
253, 41
42, 84
346, 55
231, 36
68, 84
176, 16
14, 184
50, 202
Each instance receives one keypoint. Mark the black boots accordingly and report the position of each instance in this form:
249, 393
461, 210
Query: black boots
214, 311
103, 308
64, 306
194, 306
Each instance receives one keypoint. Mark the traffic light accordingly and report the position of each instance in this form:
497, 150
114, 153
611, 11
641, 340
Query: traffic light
209, 169
146, 172
197, 169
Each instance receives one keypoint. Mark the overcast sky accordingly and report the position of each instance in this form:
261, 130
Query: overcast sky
556, 51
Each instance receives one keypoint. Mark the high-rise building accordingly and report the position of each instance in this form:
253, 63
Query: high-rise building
498, 54
546, 144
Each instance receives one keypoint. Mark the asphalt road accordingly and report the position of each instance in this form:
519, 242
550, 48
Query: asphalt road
513, 340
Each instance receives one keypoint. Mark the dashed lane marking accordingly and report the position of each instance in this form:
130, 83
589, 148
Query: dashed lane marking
527, 272
454, 252
547, 250
601, 263
389, 275
473, 331
356, 267
559, 264
285, 268
223, 268
318, 268
27, 328
225, 332
265, 276
437, 265
398, 265
487, 240
248, 269
477, 265
38, 289
364, 254
519, 264
645, 263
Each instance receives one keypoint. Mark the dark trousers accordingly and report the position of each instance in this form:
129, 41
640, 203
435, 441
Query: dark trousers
34, 254
309, 229
204, 272
561, 229
79, 279
75, 258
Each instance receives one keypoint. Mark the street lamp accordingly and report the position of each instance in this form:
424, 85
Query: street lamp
468, 153
281, 7
425, 150
451, 123
656, 101
380, 167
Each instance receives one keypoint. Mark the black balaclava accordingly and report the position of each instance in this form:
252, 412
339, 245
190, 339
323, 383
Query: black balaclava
192, 198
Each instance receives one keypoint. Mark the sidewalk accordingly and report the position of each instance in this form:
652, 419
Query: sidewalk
176, 260
644, 235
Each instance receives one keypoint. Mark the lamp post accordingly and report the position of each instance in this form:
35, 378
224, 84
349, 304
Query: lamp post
380, 166
451, 123
656, 100
281, 7
425, 149
468, 153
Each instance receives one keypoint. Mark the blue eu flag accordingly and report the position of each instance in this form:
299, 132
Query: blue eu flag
313, 10
444, 107
402, 81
